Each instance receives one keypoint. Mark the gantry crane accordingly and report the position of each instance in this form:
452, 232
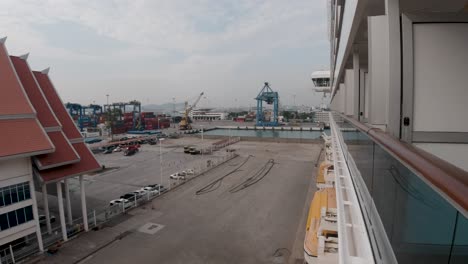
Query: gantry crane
270, 97
185, 122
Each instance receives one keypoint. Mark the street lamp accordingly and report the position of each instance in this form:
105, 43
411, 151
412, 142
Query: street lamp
160, 166
202, 140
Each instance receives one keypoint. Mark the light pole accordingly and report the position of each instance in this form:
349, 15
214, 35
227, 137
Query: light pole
160, 166
201, 141
158, 123
173, 109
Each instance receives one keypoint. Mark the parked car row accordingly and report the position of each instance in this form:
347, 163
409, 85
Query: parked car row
43, 221
127, 149
181, 175
191, 150
128, 200
142, 140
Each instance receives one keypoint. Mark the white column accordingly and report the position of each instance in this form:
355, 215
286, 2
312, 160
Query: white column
378, 71
392, 8
61, 211
36, 216
342, 98
45, 200
160, 167
349, 92
67, 200
356, 79
83, 204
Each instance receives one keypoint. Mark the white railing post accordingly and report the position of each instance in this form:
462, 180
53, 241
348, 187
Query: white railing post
68, 202
84, 211
94, 216
61, 211
46, 208
12, 255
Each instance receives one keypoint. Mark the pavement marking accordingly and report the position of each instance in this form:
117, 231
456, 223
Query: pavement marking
150, 228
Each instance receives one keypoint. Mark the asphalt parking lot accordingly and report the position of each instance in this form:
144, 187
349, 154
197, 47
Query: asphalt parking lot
129, 173
208, 220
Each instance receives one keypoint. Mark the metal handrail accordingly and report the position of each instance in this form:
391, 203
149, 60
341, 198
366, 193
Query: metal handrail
448, 179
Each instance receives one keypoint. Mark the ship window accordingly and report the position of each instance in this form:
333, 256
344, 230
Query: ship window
321, 82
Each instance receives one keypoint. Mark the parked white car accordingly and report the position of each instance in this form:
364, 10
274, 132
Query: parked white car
118, 149
126, 203
151, 190
140, 193
177, 176
189, 172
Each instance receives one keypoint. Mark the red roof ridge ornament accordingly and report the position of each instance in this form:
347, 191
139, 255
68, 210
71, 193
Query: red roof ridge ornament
24, 56
46, 71
2, 40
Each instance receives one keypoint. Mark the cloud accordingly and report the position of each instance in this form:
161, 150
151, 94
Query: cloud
201, 41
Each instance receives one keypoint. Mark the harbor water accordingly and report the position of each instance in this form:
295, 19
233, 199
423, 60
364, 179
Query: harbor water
265, 133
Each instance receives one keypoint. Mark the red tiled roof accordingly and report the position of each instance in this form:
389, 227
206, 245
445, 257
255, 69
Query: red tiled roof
44, 112
87, 164
12, 99
64, 153
23, 136
68, 126
87, 161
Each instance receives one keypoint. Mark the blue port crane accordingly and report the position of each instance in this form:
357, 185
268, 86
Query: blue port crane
84, 115
270, 97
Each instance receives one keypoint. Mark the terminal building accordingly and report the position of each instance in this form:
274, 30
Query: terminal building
398, 87
205, 114
40, 147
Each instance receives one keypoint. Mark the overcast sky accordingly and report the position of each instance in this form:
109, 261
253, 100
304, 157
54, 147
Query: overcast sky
153, 50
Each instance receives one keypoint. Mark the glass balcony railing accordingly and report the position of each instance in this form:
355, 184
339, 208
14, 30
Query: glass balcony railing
408, 217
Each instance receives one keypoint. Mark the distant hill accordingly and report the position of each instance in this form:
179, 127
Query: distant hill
169, 107
162, 108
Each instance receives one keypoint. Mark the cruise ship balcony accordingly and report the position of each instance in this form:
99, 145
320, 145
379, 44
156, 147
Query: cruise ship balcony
413, 203
399, 92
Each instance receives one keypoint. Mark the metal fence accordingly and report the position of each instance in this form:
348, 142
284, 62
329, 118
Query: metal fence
97, 218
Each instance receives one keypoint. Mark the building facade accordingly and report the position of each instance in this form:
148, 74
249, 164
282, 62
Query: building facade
40, 146
206, 115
